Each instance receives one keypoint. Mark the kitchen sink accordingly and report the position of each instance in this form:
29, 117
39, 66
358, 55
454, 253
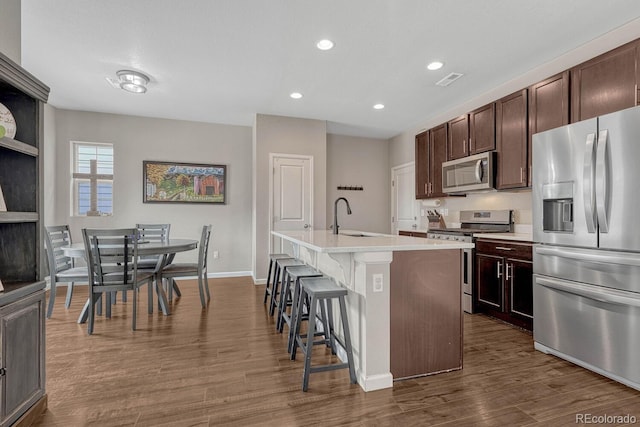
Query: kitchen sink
359, 234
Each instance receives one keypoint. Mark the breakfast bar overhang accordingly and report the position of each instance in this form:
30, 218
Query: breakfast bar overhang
403, 306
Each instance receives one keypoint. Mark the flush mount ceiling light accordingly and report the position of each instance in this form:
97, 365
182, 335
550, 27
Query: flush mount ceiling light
378, 106
295, 95
435, 65
325, 44
132, 81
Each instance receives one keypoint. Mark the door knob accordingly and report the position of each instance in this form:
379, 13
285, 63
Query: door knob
307, 226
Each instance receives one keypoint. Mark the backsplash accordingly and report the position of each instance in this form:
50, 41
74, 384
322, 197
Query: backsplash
519, 202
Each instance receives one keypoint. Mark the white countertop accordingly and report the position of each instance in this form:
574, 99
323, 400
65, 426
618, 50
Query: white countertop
521, 237
326, 241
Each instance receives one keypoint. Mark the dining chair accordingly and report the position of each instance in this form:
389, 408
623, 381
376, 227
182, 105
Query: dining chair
152, 233
174, 270
155, 233
112, 256
61, 267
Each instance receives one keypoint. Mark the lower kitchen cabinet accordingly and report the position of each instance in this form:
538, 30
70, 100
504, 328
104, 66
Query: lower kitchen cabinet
22, 369
504, 281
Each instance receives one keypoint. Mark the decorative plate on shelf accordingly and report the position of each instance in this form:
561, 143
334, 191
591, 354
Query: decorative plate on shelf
7, 121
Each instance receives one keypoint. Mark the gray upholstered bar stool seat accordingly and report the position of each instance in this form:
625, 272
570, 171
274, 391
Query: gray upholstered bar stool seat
321, 290
280, 274
292, 286
272, 269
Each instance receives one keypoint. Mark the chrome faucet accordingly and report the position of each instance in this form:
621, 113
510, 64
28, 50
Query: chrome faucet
335, 213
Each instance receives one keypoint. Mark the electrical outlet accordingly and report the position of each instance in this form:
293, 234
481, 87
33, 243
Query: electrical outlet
378, 282
216, 255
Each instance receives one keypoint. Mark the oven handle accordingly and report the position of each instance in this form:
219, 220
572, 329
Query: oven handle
609, 296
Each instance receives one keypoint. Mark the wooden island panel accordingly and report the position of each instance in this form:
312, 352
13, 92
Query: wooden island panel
426, 312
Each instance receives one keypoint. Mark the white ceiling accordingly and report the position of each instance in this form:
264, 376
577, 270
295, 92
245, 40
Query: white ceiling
223, 61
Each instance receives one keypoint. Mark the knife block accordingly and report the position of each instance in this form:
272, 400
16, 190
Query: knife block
436, 222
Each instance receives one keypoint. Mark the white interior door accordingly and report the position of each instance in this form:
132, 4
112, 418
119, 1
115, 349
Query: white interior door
404, 207
292, 197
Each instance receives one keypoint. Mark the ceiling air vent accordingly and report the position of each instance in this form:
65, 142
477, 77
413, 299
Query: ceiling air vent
447, 80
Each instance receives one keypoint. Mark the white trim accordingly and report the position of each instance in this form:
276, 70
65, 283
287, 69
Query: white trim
272, 157
222, 274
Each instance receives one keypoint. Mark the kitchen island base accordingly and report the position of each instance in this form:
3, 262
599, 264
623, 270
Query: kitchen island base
426, 284
426, 317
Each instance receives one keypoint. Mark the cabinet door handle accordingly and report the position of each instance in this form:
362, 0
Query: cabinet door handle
507, 277
521, 175
504, 248
425, 188
430, 188
464, 146
499, 269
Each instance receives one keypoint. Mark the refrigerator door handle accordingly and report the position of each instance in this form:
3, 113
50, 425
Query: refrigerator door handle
606, 295
601, 181
600, 257
587, 183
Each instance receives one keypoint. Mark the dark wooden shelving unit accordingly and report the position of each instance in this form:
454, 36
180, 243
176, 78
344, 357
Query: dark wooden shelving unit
22, 385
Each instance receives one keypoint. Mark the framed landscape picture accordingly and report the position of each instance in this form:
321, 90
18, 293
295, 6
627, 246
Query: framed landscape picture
170, 182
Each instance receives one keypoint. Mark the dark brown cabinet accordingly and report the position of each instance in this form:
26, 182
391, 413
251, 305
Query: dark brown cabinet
482, 129
422, 165
512, 141
431, 151
606, 83
504, 281
548, 107
458, 138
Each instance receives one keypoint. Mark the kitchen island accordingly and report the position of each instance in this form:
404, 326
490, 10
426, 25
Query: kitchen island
403, 305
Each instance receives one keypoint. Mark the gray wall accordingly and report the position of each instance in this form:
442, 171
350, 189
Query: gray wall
277, 134
49, 154
10, 28
359, 162
138, 138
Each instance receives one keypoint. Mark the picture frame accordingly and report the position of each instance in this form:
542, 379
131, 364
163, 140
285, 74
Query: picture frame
173, 182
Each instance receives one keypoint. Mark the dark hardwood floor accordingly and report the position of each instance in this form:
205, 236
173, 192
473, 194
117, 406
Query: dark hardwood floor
226, 365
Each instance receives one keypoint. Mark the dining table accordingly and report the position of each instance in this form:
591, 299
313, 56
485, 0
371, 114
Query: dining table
165, 249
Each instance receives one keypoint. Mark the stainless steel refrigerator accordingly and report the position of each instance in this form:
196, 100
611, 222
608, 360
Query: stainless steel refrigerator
586, 207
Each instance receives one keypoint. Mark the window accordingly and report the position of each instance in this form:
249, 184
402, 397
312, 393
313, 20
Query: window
92, 177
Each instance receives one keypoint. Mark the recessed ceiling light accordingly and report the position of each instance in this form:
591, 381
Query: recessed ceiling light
132, 81
295, 95
324, 44
435, 65
378, 106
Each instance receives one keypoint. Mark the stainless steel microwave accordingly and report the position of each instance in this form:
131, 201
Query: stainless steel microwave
468, 174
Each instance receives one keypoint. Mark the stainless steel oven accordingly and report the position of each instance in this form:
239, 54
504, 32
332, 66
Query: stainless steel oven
473, 222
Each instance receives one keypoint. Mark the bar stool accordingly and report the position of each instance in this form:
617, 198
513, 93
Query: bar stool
281, 266
272, 261
294, 274
321, 290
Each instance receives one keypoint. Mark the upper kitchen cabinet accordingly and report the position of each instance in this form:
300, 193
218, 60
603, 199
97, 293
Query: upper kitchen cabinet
458, 138
482, 129
548, 107
512, 141
606, 83
438, 154
431, 151
422, 165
